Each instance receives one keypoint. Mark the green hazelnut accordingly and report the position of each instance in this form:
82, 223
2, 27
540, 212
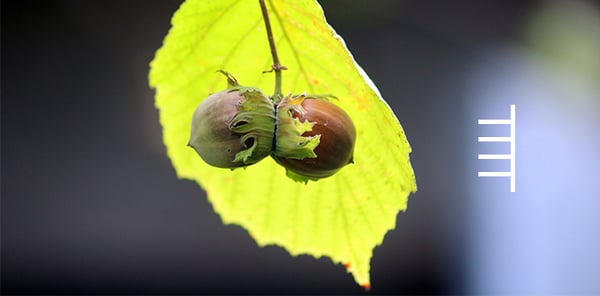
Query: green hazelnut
234, 127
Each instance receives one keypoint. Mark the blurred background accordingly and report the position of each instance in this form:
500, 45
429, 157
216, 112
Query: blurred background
91, 204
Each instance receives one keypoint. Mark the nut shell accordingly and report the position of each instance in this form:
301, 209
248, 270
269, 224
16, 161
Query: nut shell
337, 138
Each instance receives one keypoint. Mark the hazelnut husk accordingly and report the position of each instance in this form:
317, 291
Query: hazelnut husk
234, 127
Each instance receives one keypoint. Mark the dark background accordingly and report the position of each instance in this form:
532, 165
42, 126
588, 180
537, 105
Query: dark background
91, 204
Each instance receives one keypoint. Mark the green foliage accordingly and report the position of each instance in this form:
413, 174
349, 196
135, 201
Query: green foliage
342, 217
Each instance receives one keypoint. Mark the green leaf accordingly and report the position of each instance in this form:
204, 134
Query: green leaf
342, 217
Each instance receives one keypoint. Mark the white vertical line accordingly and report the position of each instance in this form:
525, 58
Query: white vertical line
513, 150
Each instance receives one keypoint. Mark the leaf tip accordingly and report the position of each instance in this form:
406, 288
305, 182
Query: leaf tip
366, 286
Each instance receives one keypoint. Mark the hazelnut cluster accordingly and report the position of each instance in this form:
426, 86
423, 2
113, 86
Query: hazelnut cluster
239, 126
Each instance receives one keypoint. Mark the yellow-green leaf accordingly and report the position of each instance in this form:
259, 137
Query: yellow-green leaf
342, 217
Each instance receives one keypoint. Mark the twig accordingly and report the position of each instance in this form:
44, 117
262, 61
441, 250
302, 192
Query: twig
276, 67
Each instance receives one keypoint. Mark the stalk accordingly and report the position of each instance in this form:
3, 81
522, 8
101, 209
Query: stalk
276, 67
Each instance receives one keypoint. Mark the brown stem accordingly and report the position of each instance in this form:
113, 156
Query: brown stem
277, 67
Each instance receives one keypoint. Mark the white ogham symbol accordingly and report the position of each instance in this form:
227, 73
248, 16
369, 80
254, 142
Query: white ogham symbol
510, 156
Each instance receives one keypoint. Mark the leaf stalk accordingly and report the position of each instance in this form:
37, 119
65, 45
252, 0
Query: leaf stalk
276, 67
